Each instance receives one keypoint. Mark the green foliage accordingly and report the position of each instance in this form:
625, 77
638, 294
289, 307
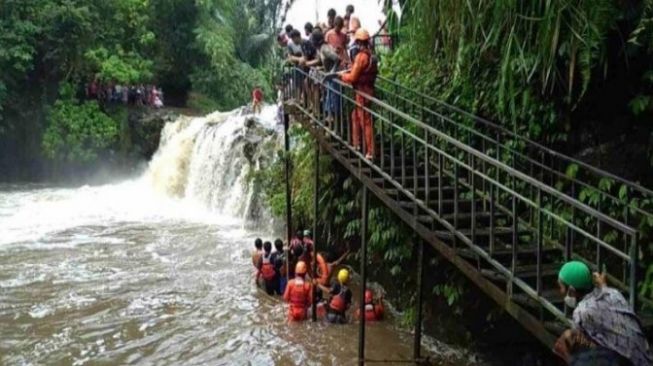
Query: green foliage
77, 133
120, 67
217, 48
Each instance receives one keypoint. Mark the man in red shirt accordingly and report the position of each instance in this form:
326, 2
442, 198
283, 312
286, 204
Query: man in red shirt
257, 100
337, 39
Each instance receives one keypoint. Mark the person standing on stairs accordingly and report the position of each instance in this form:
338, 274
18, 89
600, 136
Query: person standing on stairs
605, 330
362, 77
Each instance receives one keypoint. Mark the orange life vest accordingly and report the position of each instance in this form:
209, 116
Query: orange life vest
338, 302
267, 268
299, 298
367, 78
370, 313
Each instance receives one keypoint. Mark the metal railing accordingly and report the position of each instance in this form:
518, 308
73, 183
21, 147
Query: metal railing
628, 201
472, 199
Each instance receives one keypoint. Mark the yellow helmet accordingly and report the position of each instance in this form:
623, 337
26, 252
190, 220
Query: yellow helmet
362, 35
343, 276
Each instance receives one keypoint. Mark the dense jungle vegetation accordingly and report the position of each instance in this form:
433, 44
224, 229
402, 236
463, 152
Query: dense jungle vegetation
207, 54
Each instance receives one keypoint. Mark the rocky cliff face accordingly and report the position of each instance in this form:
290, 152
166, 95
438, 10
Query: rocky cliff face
145, 126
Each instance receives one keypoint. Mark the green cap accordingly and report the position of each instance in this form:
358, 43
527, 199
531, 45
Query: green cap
307, 233
576, 274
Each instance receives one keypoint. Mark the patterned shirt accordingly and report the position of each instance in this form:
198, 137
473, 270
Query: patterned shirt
604, 316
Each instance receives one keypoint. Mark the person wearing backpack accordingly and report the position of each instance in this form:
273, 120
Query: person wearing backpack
267, 270
362, 77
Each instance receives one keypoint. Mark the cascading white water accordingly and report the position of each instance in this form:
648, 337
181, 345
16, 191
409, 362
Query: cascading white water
208, 160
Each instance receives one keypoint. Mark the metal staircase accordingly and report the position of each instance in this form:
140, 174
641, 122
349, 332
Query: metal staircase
504, 210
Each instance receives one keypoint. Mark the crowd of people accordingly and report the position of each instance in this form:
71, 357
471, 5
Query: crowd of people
304, 277
338, 49
135, 95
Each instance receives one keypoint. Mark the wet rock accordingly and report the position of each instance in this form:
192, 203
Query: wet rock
145, 127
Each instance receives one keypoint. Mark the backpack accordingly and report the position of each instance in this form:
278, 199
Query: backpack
267, 268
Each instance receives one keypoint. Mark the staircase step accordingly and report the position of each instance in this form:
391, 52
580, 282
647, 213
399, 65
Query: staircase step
530, 270
481, 231
502, 251
526, 271
447, 203
552, 295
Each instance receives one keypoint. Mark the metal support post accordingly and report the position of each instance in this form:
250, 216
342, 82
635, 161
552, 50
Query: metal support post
316, 237
286, 127
363, 269
417, 354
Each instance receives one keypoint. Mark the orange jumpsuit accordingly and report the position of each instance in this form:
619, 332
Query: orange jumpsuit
361, 119
299, 294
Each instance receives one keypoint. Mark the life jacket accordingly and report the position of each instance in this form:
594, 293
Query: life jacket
338, 303
370, 313
322, 271
298, 298
367, 78
267, 268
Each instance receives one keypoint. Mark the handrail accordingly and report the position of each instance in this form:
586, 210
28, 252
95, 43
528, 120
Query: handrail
513, 172
500, 267
634, 185
527, 158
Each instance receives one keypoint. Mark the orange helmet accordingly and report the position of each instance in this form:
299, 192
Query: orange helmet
300, 268
362, 35
369, 297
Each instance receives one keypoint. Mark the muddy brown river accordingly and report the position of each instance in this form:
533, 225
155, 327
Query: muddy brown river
123, 274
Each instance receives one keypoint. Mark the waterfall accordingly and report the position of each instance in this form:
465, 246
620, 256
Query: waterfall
210, 160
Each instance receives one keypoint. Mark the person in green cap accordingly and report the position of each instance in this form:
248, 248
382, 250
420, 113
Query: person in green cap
605, 332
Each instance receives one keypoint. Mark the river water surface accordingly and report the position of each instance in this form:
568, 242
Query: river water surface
156, 270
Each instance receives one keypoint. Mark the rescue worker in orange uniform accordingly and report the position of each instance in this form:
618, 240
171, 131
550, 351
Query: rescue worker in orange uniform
362, 77
267, 270
299, 294
374, 310
341, 298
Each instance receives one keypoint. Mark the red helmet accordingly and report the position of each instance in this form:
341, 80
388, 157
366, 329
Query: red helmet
369, 297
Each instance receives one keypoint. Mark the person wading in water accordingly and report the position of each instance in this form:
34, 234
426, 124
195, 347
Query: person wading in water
299, 294
267, 271
340, 300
